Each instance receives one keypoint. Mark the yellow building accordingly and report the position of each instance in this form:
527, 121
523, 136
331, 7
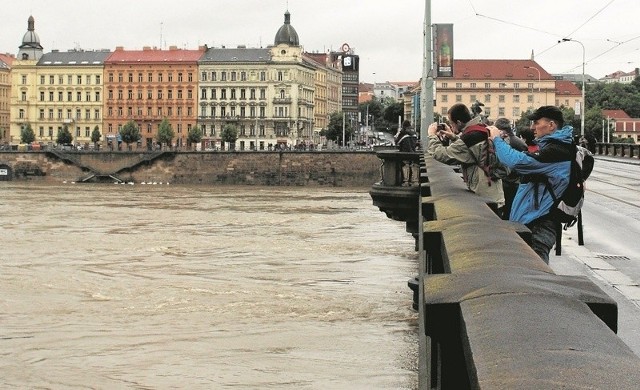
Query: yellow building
507, 88
328, 90
69, 92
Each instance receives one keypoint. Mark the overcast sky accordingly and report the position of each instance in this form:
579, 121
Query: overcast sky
387, 35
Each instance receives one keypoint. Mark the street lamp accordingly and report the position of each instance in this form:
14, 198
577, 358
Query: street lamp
584, 102
533, 67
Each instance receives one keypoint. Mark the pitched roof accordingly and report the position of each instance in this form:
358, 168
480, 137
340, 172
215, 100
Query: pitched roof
74, 57
615, 114
7, 60
240, 54
153, 55
567, 88
498, 70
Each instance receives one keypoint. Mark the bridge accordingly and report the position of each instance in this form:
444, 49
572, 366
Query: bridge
491, 313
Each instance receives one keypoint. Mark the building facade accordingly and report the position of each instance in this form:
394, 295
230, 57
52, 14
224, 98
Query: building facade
150, 85
5, 97
69, 93
507, 88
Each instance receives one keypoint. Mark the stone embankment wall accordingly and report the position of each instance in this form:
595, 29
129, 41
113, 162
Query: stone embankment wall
342, 169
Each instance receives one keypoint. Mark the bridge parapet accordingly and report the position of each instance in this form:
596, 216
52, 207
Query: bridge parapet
492, 314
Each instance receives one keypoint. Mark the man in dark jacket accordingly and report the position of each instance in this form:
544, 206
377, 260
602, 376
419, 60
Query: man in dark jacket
406, 138
533, 202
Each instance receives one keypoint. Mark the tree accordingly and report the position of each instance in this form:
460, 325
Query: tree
64, 136
392, 112
165, 132
95, 136
334, 130
27, 135
229, 134
195, 135
130, 133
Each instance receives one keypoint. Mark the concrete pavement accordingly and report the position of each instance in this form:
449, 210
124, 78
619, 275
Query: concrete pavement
578, 260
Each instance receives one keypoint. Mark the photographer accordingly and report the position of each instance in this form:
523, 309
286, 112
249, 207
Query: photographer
467, 138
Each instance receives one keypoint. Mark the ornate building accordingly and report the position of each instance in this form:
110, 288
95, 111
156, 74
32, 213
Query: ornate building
24, 78
149, 85
268, 94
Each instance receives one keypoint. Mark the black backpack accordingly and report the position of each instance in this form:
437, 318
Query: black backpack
566, 208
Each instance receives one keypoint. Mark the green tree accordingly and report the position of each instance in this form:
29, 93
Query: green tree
95, 136
392, 112
130, 133
165, 132
64, 136
229, 134
27, 135
334, 130
194, 136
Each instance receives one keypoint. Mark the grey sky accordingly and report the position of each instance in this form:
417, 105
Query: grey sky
387, 35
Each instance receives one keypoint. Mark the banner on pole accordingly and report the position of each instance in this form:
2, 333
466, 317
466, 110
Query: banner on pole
443, 49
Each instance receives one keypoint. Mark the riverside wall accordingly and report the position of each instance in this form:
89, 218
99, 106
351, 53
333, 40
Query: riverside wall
313, 168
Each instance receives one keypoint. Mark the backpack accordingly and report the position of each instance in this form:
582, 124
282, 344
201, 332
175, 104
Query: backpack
488, 161
567, 207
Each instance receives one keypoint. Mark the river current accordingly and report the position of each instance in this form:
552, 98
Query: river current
106, 286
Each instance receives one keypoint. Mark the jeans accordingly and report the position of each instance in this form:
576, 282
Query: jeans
543, 233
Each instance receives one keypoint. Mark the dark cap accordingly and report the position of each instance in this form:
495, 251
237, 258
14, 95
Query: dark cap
549, 112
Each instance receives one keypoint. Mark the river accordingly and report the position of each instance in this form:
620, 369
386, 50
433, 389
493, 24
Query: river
107, 286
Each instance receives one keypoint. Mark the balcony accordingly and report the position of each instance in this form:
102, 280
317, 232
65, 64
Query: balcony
281, 100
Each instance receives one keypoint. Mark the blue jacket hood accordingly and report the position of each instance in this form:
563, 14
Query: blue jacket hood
564, 135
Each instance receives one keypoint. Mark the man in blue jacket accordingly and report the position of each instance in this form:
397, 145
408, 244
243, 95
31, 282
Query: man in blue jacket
533, 202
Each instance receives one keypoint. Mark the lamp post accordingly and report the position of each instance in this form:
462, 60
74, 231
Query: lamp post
584, 103
533, 67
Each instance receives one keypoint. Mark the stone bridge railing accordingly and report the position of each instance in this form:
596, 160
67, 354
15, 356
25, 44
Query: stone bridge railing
492, 314
618, 150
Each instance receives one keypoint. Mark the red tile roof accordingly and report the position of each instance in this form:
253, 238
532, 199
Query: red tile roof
567, 88
7, 59
154, 55
498, 70
615, 114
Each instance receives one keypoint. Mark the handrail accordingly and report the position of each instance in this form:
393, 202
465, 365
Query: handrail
494, 315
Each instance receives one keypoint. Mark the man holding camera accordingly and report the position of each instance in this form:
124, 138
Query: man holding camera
467, 138
552, 162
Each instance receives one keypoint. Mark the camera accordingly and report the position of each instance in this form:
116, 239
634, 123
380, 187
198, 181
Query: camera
441, 127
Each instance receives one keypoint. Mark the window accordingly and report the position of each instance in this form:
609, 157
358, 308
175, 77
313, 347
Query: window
50, 96
130, 94
529, 98
252, 94
458, 98
96, 114
51, 78
24, 96
458, 85
243, 94
87, 114
170, 94
79, 96
24, 79
120, 77
487, 98
189, 94
131, 77
159, 94
179, 77
213, 94
120, 94
280, 76
60, 96
214, 76
149, 94
243, 76
140, 78
150, 77
203, 93
223, 76
179, 94
203, 76
445, 85
233, 93
87, 96
111, 77
159, 77
516, 98
233, 76
41, 96
473, 85
97, 79
190, 77
263, 94
501, 98
42, 113
444, 98
139, 94
473, 98
516, 85
263, 76
500, 111
223, 93
60, 79
51, 113
78, 114
21, 113
170, 77
530, 86
97, 96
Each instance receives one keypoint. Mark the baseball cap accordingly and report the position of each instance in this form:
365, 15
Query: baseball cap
549, 112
